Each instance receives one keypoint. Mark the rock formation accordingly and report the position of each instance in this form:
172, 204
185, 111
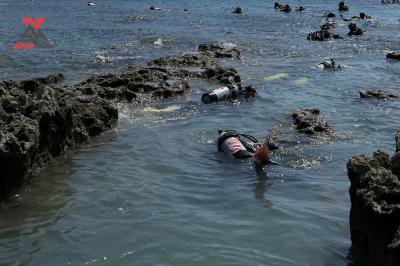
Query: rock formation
375, 208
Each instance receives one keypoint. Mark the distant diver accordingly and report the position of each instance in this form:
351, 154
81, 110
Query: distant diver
343, 7
361, 16
329, 65
238, 10
354, 30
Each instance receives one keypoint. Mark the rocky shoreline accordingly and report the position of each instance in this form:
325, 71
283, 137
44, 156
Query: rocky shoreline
375, 208
39, 119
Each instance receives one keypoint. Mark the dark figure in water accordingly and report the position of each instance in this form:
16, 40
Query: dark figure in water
330, 15
330, 65
328, 25
393, 55
286, 9
343, 7
277, 5
322, 35
354, 30
362, 16
300, 9
282, 8
238, 10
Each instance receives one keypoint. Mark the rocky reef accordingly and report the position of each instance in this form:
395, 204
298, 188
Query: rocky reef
375, 208
39, 118
310, 121
378, 94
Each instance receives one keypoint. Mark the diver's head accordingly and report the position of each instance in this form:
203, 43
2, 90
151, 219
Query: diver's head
352, 26
277, 5
362, 15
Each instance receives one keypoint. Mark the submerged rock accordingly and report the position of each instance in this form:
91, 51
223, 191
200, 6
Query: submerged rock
378, 94
309, 121
205, 57
136, 83
191, 59
220, 50
375, 209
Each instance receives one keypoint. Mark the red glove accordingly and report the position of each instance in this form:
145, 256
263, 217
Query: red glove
262, 154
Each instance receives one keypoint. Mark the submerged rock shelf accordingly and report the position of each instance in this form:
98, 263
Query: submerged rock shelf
39, 119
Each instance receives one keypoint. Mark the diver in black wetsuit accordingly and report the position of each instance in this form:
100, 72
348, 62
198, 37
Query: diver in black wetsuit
330, 65
354, 30
361, 16
343, 7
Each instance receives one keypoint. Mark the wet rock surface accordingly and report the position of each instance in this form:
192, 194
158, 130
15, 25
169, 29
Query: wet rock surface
310, 121
375, 209
136, 83
220, 50
204, 57
378, 94
39, 118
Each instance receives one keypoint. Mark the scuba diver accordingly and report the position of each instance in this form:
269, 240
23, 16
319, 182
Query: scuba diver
284, 8
393, 55
362, 16
300, 9
243, 146
343, 7
228, 92
328, 25
354, 30
329, 65
277, 5
322, 35
330, 15
238, 10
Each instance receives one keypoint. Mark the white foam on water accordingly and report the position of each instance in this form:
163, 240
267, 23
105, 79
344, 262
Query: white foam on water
276, 76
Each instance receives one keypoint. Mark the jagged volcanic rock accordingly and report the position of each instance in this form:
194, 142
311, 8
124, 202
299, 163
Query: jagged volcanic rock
309, 121
375, 209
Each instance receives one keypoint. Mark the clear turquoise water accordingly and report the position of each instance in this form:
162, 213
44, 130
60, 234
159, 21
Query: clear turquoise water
155, 191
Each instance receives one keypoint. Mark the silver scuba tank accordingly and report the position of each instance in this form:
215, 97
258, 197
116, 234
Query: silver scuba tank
220, 94
229, 142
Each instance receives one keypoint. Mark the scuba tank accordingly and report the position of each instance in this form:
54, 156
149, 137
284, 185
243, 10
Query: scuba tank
220, 94
229, 142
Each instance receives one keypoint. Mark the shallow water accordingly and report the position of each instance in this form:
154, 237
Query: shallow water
155, 191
